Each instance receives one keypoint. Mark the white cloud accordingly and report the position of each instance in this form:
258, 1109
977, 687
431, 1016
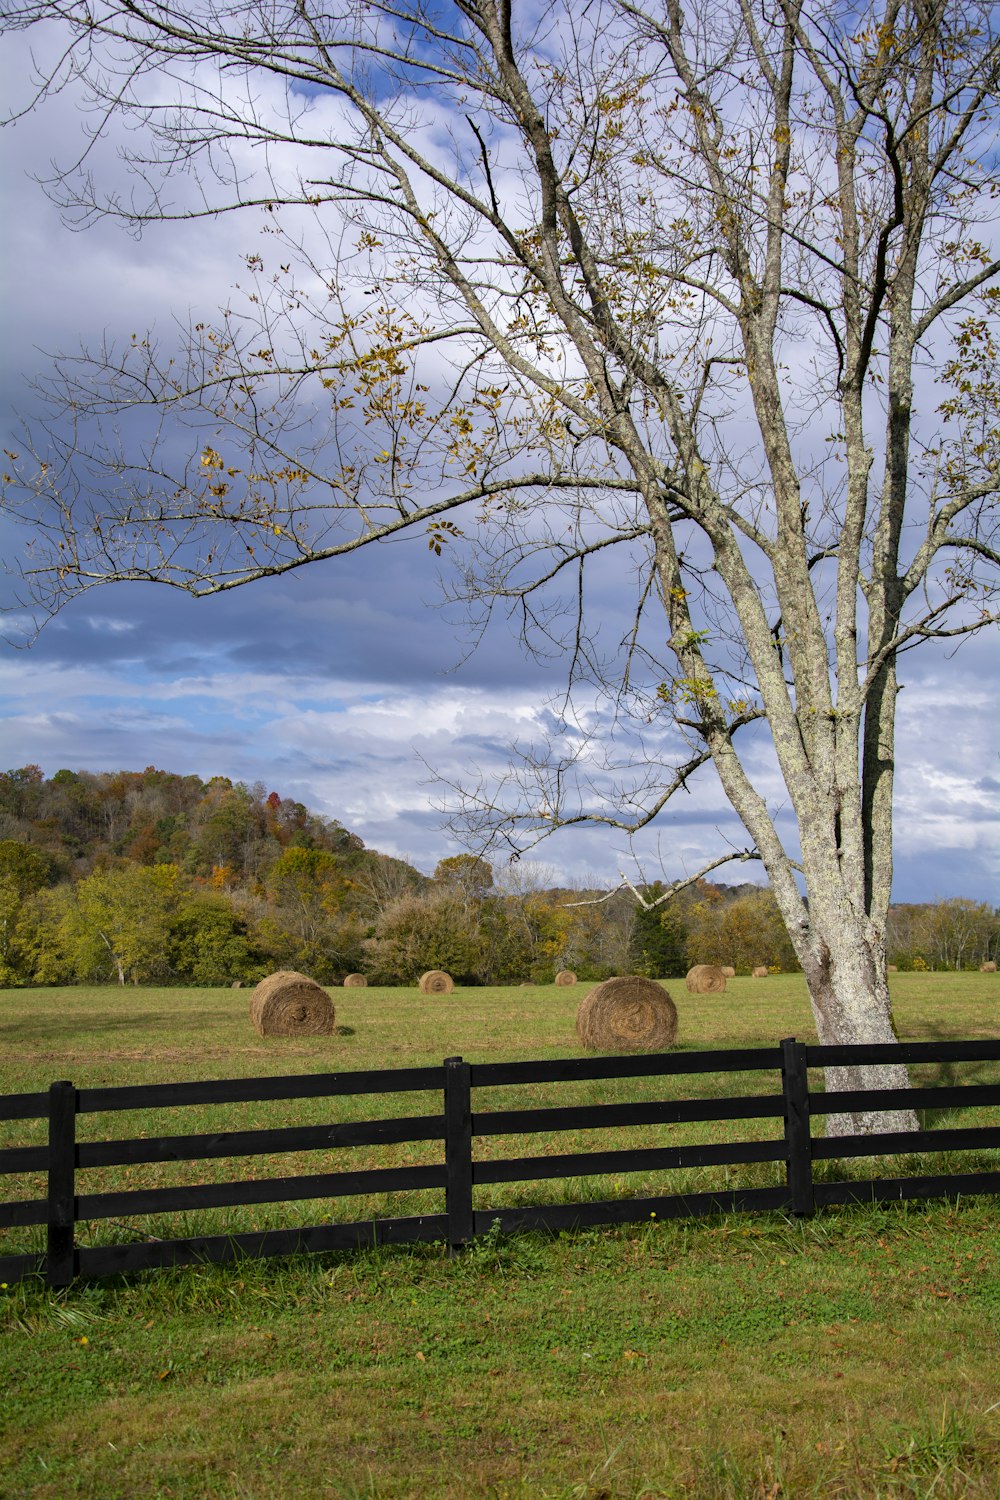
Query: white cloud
110, 625
359, 752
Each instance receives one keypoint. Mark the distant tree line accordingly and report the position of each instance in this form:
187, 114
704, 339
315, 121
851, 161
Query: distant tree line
953, 934
149, 877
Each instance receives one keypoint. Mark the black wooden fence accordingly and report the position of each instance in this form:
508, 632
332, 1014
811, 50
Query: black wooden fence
459, 1173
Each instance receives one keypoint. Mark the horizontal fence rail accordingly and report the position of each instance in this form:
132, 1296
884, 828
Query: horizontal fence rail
457, 1126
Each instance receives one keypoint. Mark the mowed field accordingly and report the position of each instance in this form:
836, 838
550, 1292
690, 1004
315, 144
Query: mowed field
854, 1354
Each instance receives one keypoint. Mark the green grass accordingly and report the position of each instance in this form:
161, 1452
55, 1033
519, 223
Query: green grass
854, 1355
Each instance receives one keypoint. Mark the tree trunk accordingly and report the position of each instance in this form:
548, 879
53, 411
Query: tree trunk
839, 944
850, 1002
118, 963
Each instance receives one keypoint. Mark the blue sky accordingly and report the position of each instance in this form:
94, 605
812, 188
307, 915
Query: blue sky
342, 683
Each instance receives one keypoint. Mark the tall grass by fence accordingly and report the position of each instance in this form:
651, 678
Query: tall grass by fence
457, 1126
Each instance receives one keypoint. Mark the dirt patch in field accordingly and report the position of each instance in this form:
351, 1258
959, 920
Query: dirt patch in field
157, 1054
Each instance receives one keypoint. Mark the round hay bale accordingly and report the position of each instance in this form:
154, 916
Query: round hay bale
630, 1014
706, 979
565, 976
760, 972
728, 971
290, 1004
988, 968
237, 984
892, 968
355, 982
436, 982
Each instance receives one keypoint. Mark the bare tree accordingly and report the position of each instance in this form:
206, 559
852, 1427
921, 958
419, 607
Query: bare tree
956, 934
711, 286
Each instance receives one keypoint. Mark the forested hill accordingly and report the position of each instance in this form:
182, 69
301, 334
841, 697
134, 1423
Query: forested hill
214, 829
150, 876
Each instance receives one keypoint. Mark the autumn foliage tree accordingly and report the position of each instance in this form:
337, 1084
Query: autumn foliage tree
23, 872
417, 933
118, 923
712, 288
307, 919
745, 933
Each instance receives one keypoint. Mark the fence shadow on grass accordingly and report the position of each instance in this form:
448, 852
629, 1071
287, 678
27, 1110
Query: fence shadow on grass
947, 1073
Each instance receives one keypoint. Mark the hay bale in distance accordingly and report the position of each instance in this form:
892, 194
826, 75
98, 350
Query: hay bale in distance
892, 968
565, 976
290, 1004
629, 1014
706, 979
436, 982
237, 984
988, 968
760, 972
728, 972
355, 982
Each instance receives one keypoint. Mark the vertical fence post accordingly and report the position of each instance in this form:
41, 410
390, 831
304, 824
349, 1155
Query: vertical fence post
798, 1139
60, 1260
458, 1151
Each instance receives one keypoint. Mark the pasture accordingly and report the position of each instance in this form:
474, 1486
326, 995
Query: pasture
854, 1354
